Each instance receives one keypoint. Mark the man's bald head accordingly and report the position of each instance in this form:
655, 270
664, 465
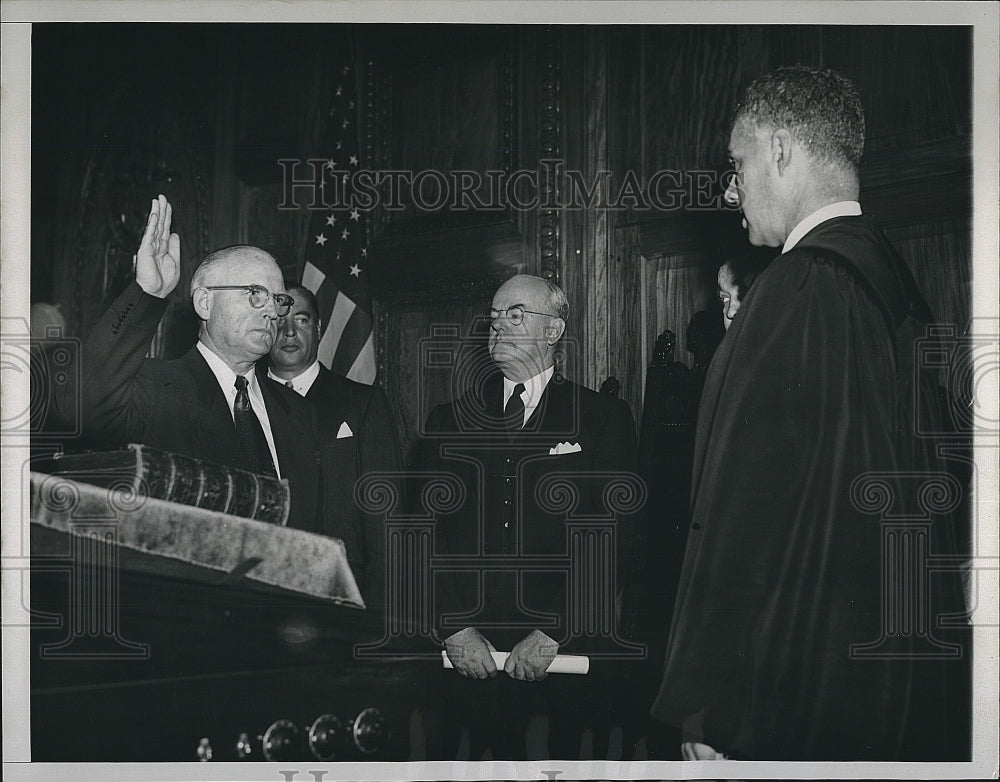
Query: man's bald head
219, 265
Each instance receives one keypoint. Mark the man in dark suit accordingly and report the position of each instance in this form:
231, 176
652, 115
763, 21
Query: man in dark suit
208, 403
357, 436
532, 451
790, 638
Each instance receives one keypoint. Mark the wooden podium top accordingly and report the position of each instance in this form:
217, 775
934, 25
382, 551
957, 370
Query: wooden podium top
166, 539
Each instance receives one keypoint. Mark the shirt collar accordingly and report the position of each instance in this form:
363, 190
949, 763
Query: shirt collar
534, 387
821, 215
227, 380
226, 376
302, 382
222, 371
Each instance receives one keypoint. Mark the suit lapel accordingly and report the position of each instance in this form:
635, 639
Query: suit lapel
556, 413
328, 402
493, 400
298, 456
556, 409
208, 411
287, 429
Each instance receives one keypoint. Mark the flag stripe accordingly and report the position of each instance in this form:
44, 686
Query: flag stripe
364, 368
312, 277
335, 264
343, 308
352, 341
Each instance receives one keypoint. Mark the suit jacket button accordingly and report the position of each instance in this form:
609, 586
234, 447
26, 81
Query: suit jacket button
509, 460
507, 501
696, 525
506, 525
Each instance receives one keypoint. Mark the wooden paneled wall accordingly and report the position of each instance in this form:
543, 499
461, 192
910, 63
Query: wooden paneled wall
673, 90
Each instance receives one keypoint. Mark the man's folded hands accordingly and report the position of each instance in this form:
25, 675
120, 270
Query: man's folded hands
471, 654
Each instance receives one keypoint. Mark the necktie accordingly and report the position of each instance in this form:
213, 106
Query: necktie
513, 412
250, 432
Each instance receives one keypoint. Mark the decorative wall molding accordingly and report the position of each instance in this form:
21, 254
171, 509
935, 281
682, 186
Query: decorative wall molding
549, 134
377, 142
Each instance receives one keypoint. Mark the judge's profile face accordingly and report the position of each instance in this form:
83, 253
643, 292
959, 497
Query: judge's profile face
523, 328
752, 188
239, 331
729, 295
297, 343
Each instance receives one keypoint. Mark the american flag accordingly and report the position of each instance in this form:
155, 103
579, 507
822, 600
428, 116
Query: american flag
336, 257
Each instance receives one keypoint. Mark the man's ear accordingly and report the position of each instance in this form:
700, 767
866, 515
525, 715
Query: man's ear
201, 301
555, 330
781, 149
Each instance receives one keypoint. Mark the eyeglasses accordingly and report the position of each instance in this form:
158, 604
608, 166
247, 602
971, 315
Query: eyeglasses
516, 314
258, 296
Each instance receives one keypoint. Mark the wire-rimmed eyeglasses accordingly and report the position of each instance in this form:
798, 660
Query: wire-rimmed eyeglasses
258, 296
516, 314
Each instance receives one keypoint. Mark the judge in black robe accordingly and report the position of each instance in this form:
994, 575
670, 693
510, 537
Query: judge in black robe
794, 634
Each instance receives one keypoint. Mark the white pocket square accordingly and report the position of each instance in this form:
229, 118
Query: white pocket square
344, 431
562, 448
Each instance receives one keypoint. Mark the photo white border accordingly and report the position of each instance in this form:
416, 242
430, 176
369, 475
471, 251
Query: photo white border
14, 305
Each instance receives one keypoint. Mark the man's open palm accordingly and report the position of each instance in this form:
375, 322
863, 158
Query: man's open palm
158, 261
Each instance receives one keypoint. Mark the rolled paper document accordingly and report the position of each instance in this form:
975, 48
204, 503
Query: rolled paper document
563, 663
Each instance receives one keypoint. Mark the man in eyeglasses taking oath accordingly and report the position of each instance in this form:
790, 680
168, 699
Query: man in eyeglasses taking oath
209, 403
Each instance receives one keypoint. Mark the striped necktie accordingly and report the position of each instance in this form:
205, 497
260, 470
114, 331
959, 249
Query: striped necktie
251, 433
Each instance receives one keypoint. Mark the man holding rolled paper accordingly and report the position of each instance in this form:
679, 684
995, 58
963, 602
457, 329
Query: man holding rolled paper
208, 404
532, 451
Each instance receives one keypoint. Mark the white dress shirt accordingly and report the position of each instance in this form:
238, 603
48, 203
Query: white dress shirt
302, 382
534, 387
227, 381
821, 215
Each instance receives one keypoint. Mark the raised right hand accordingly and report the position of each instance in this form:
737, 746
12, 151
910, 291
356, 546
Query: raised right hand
158, 261
470, 653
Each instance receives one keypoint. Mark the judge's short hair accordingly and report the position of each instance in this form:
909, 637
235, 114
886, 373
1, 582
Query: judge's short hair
819, 107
